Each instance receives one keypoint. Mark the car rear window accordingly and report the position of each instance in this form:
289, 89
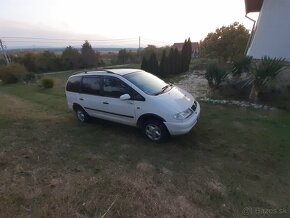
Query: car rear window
73, 84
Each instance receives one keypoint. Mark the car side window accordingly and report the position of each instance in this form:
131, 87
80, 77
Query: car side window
91, 85
74, 84
114, 88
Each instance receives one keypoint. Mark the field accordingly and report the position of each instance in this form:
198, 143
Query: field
232, 163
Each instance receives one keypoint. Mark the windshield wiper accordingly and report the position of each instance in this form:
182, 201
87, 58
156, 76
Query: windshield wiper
164, 88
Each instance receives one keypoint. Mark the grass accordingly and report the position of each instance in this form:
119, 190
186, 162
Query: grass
53, 166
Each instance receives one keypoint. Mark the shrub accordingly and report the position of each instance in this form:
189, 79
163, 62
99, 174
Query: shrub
12, 73
263, 73
215, 74
29, 77
47, 83
242, 65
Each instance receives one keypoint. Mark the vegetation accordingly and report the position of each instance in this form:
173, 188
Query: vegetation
258, 74
174, 63
241, 65
227, 43
215, 75
12, 73
53, 166
88, 56
150, 65
262, 73
71, 59
47, 83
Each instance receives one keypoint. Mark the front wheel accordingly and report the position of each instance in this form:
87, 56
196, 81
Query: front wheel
81, 115
155, 130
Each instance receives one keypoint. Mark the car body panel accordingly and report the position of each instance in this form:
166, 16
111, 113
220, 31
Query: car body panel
164, 105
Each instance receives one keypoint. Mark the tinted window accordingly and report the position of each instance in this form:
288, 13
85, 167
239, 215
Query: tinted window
147, 82
114, 87
74, 84
91, 85
135, 95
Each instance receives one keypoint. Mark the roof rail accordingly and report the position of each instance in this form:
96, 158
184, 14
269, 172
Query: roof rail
108, 71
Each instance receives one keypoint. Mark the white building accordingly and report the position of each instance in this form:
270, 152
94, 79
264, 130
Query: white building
271, 34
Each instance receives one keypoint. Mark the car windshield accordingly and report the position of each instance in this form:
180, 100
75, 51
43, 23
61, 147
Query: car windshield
147, 82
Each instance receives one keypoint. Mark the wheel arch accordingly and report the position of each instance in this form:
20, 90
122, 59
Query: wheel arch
76, 106
148, 116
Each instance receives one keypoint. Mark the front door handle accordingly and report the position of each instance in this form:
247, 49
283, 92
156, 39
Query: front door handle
104, 102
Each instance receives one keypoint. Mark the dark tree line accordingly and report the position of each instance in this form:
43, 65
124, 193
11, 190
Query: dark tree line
71, 58
175, 62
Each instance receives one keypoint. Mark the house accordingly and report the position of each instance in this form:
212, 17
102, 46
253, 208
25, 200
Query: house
194, 46
271, 32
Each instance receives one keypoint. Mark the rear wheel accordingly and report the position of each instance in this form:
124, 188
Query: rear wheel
81, 115
155, 130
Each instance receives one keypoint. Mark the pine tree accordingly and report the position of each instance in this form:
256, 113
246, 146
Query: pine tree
170, 61
144, 64
186, 55
163, 64
153, 63
88, 55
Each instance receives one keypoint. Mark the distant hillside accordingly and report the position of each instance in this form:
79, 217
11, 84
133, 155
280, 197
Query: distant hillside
59, 50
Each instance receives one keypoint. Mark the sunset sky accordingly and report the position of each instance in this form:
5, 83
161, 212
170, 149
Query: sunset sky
115, 22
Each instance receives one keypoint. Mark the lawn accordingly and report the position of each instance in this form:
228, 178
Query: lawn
53, 166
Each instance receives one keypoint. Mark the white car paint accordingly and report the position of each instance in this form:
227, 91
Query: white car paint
165, 105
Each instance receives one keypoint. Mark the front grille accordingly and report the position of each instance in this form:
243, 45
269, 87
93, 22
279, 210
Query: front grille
193, 107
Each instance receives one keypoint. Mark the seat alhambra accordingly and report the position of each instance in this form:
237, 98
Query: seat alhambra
133, 97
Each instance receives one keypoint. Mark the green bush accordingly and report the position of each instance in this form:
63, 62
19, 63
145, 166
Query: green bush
242, 65
215, 74
29, 77
12, 73
47, 83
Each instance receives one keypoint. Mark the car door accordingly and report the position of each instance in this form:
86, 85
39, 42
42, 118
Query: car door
90, 97
115, 109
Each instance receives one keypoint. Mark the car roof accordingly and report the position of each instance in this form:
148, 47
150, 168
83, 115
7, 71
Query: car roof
120, 72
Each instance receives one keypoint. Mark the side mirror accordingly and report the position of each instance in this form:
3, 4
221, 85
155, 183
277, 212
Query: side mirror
125, 97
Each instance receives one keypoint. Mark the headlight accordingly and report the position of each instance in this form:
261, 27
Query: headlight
183, 115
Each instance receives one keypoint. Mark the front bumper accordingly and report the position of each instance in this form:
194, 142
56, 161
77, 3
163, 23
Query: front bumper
184, 126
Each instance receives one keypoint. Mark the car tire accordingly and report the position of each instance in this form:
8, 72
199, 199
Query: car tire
155, 131
82, 115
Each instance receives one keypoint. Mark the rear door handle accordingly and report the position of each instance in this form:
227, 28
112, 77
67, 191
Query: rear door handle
104, 102
81, 99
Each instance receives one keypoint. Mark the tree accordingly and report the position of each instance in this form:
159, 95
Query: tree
177, 59
163, 65
47, 61
144, 64
226, 43
153, 64
170, 61
70, 58
88, 56
186, 53
29, 61
123, 56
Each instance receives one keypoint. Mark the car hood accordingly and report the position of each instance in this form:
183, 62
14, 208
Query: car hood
177, 99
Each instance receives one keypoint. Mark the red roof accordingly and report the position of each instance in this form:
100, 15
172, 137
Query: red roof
179, 46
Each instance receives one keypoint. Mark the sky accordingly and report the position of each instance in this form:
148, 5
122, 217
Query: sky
114, 22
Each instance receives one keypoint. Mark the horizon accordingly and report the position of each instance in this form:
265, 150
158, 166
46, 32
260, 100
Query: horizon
53, 23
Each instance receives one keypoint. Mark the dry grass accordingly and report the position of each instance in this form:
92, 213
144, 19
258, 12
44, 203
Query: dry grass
52, 166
